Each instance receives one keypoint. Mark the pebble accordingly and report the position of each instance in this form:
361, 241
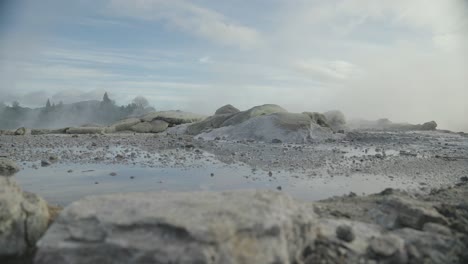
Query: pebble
345, 233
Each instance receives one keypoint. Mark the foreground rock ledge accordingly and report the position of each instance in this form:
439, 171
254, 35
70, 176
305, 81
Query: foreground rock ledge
24, 217
261, 227
230, 227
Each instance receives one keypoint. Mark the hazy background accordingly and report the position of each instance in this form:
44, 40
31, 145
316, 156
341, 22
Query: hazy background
404, 60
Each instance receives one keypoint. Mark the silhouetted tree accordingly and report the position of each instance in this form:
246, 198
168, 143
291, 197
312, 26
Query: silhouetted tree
141, 102
15, 105
48, 105
106, 99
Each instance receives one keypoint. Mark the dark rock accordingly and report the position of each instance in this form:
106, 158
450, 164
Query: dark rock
345, 233
45, 163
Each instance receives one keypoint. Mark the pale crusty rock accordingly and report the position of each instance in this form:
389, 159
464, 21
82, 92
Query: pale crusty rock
8, 167
173, 117
230, 227
123, 125
253, 112
24, 218
227, 109
286, 127
85, 130
155, 126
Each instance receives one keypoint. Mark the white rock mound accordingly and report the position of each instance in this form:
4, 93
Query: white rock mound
277, 127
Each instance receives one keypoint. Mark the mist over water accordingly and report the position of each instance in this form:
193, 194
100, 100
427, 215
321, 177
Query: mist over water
401, 60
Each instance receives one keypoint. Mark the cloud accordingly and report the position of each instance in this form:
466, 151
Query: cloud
328, 70
189, 18
205, 60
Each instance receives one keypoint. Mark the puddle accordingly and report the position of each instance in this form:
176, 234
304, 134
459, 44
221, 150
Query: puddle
58, 186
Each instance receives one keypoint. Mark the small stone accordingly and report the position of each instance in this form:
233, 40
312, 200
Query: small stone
70, 171
387, 191
276, 141
212, 174
96, 182
279, 188
45, 163
464, 179
113, 174
386, 245
270, 173
345, 233
132, 177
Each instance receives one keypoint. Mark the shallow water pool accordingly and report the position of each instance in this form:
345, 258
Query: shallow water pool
65, 183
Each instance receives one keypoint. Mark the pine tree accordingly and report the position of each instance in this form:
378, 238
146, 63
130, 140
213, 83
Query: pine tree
105, 98
48, 105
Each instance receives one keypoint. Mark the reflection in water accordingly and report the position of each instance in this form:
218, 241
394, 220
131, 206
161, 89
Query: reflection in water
57, 184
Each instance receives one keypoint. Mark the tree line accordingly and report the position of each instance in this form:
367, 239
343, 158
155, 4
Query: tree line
60, 115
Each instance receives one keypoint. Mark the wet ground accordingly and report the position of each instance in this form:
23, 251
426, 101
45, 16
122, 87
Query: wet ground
360, 162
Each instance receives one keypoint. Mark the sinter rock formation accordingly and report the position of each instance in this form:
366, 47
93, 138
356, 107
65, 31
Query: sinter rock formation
260, 227
24, 217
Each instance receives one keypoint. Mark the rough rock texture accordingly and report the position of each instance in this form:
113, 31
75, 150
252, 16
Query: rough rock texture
8, 167
335, 119
23, 219
253, 112
432, 125
260, 227
48, 131
22, 131
318, 118
230, 227
286, 127
173, 117
413, 229
209, 123
155, 126
85, 130
123, 125
227, 109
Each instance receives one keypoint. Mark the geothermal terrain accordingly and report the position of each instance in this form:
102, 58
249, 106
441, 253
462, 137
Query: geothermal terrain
297, 187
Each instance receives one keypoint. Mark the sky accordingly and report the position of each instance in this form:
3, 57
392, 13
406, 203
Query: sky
397, 59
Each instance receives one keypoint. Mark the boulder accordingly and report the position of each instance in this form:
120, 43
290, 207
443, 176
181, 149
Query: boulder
85, 130
285, 127
227, 109
395, 212
429, 247
8, 167
335, 119
48, 131
173, 117
7, 132
432, 125
230, 227
123, 125
22, 131
177, 130
209, 123
155, 126
24, 218
253, 112
318, 118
